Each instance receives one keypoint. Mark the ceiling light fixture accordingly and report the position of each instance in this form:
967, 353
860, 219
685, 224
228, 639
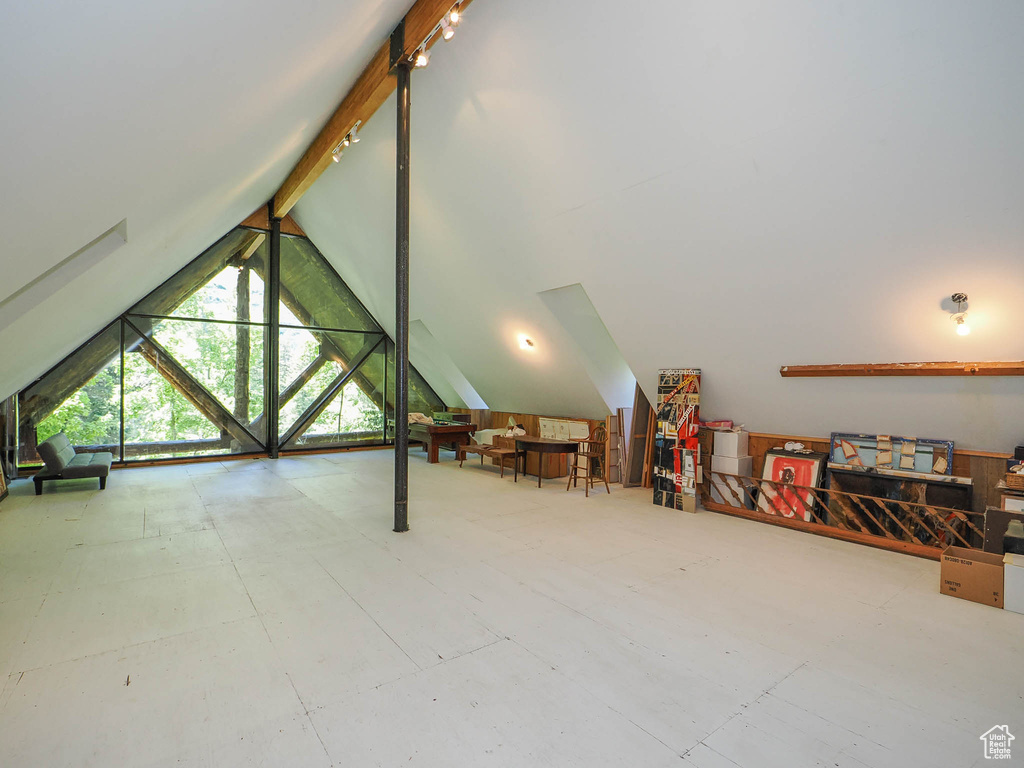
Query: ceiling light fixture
354, 135
525, 342
960, 316
336, 154
446, 27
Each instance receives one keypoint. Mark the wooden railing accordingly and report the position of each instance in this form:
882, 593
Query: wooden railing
914, 528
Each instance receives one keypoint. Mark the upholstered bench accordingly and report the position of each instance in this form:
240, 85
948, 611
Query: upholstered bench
62, 463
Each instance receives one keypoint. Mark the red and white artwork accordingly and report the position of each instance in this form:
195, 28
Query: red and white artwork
787, 470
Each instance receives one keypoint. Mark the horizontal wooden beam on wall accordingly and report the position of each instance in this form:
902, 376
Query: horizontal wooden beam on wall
1014, 368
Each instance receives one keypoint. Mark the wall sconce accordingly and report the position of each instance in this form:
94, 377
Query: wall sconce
525, 342
960, 316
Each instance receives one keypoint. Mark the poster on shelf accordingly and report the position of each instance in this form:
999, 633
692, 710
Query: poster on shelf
909, 454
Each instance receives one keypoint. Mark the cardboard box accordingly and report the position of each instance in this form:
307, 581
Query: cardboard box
972, 575
722, 489
720, 486
1013, 583
733, 465
731, 443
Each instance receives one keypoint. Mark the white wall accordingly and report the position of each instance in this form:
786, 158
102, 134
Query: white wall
182, 118
737, 186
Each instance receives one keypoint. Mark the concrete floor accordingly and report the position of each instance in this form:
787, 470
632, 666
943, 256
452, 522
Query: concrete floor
263, 613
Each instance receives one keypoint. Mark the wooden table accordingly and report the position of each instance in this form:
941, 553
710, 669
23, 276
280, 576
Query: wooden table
490, 451
433, 435
541, 445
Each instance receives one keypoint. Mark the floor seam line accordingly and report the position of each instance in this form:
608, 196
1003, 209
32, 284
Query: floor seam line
591, 694
270, 641
370, 616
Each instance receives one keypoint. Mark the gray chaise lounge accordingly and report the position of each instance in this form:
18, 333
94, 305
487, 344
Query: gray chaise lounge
62, 463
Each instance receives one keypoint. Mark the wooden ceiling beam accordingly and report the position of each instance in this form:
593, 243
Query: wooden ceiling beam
371, 90
260, 219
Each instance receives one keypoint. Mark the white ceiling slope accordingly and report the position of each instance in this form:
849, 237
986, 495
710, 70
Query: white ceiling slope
737, 186
181, 118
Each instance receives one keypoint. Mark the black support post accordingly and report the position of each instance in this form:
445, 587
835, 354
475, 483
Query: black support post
120, 439
402, 304
273, 297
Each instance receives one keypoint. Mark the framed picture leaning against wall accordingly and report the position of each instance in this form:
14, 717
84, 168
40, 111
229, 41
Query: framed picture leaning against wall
787, 469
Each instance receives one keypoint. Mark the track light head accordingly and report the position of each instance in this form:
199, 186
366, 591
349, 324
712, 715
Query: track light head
354, 135
336, 155
455, 16
422, 58
446, 30
346, 141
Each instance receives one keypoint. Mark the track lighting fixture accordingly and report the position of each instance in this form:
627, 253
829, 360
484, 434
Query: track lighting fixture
446, 28
960, 317
347, 140
336, 154
354, 135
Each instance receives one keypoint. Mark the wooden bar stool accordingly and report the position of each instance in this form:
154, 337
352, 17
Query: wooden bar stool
593, 450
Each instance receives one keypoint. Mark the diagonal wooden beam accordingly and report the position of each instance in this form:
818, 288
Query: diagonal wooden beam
370, 91
179, 378
312, 413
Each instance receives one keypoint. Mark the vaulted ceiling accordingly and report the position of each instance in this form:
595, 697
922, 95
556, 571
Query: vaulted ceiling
735, 186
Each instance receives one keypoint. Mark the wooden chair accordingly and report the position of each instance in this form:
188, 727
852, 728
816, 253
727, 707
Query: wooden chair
592, 449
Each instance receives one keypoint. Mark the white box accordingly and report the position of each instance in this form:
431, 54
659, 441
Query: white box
1013, 583
733, 465
722, 488
730, 443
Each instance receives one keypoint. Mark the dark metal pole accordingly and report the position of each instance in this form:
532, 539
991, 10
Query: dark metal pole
273, 297
402, 304
120, 439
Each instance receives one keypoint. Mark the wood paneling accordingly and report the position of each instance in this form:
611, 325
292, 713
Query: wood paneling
983, 467
555, 465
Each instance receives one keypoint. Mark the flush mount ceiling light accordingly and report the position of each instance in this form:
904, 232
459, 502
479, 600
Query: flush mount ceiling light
960, 316
525, 342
